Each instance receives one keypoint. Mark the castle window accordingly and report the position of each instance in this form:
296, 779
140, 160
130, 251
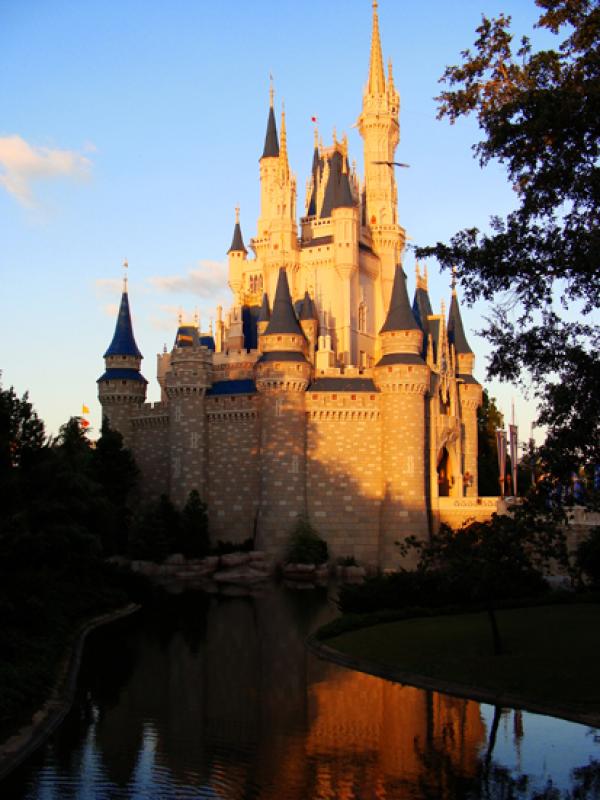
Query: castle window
278, 407
353, 397
124, 383
334, 396
295, 465
279, 338
362, 317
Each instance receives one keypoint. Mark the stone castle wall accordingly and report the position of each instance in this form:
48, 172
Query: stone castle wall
343, 472
232, 466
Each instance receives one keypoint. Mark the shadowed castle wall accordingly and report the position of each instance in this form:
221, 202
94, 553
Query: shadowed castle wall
343, 472
282, 468
151, 450
233, 476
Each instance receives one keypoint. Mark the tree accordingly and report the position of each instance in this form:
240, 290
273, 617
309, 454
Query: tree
194, 542
539, 115
495, 560
21, 430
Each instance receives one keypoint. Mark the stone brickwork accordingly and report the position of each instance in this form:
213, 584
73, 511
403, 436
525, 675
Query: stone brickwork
232, 466
282, 468
404, 470
343, 472
151, 448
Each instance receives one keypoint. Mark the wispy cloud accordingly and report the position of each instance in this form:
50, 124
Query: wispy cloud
108, 285
22, 164
207, 280
111, 310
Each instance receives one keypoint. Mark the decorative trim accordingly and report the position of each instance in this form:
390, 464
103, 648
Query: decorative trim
340, 414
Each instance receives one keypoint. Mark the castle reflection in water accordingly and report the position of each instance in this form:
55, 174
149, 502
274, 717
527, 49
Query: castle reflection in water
219, 698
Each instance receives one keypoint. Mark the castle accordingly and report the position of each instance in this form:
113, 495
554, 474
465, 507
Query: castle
322, 392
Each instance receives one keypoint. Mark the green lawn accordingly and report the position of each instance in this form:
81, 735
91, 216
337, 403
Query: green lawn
552, 652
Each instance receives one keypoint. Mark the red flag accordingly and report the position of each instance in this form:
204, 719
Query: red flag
84, 423
313, 119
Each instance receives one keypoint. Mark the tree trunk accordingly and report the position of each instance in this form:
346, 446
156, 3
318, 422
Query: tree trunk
498, 648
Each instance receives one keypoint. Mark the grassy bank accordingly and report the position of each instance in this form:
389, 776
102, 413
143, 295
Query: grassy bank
552, 652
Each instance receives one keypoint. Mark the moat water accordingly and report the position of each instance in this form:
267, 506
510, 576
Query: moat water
217, 697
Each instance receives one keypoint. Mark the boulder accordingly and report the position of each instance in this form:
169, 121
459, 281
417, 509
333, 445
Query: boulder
175, 558
234, 559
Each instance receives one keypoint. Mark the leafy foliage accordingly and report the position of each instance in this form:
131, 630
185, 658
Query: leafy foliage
538, 112
57, 522
306, 546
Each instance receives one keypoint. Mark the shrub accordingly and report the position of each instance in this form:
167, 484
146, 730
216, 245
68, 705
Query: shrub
306, 546
193, 533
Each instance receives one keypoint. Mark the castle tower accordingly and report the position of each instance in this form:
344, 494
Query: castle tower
379, 127
237, 255
469, 393
122, 387
345, 217
403, 379
282, 374
277, 237
185, 383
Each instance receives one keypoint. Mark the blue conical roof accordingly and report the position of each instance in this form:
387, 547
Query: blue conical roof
271, 148
400, 316
283, 318
456, 331
123, 342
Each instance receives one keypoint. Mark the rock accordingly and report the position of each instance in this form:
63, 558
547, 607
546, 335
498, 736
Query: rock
175, 558
240, 575
257, 555
298, 568
234, 559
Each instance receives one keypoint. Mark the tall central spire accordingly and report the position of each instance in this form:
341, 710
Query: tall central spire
376, 83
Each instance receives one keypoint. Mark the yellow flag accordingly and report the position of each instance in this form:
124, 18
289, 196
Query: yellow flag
85, 409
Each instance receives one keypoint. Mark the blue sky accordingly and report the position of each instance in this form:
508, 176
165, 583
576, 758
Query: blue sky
132, 129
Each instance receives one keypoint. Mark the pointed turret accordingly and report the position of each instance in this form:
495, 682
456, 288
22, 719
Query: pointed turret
237, 259
422, 305
122, 387
376, 84
123, 341
401, 336
456, 331
237, 241
271, 148
283, 319
307, 310
400, 316
283, 154
264, 315
265, 311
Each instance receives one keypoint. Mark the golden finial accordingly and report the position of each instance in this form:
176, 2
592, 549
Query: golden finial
125, 266
237, 215
271, 90
180, 316
444, 309
453, 281
197, 318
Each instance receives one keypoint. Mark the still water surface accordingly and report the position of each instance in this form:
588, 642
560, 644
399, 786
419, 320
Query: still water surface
216, 697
